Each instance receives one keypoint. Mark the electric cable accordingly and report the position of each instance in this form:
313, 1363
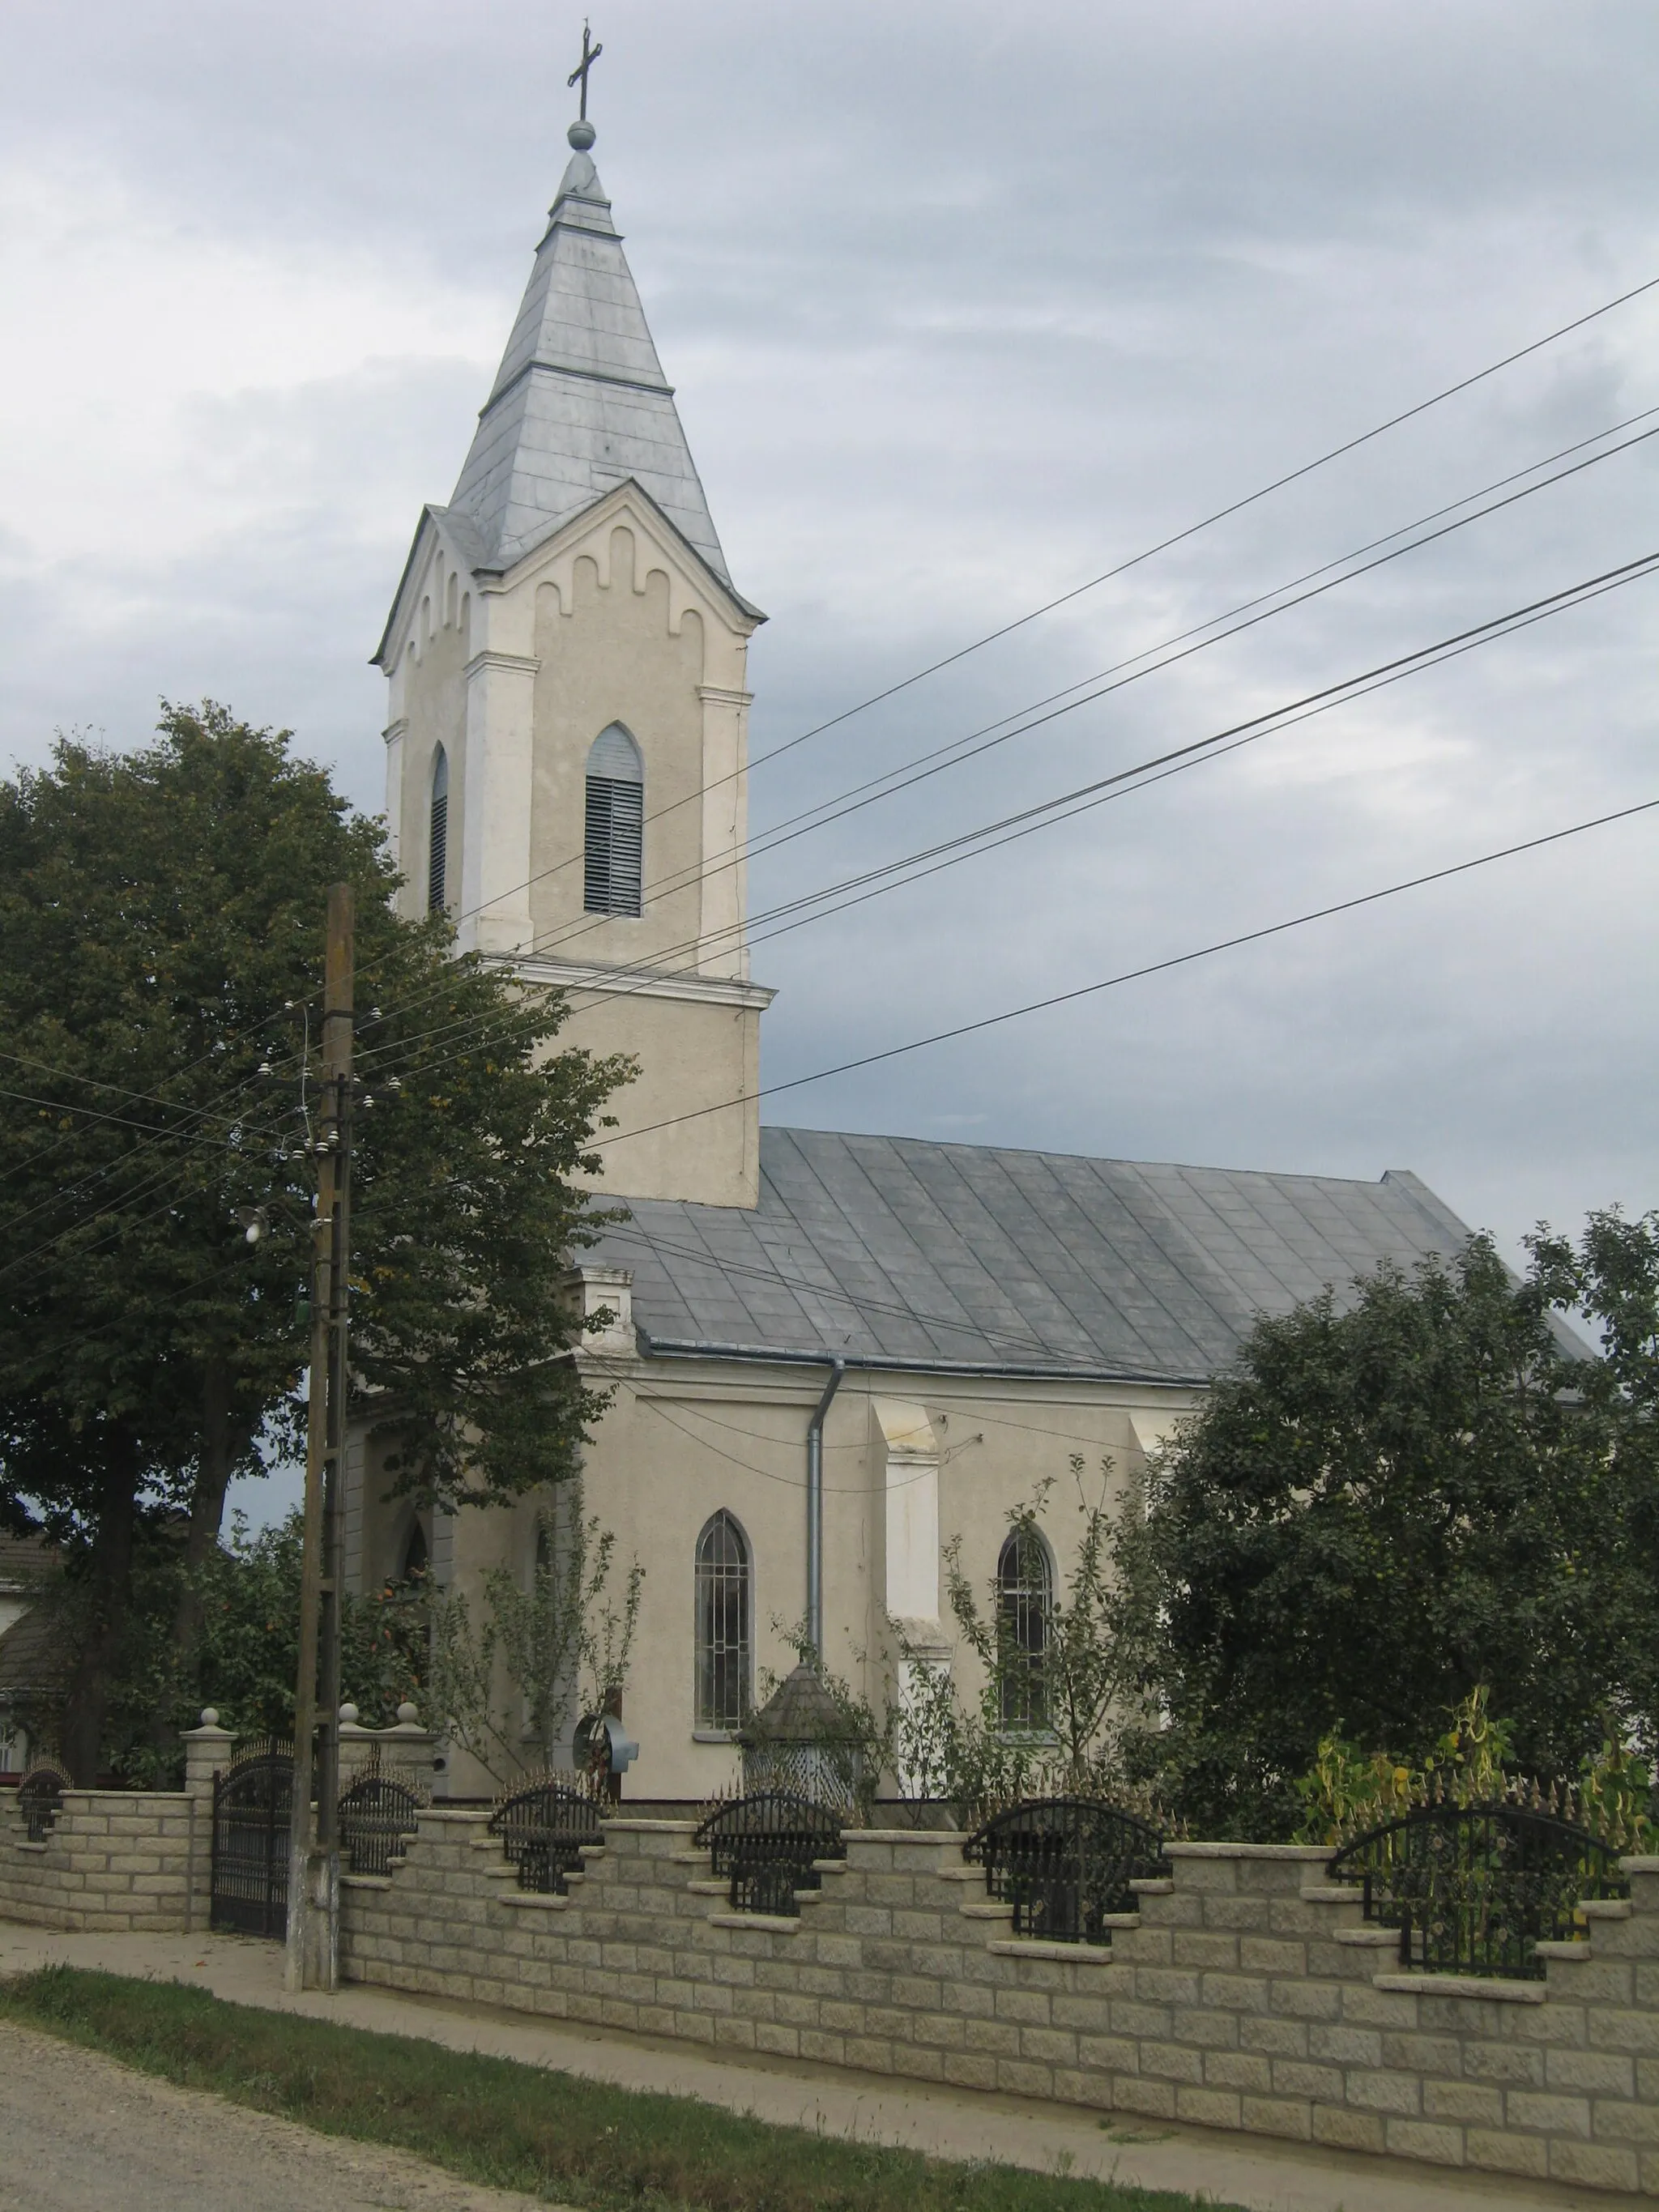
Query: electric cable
927, 764
633, 1231
1023, 824
1154, 968
940, 760
96, 1083
987, 837
1135, 975
1164, 545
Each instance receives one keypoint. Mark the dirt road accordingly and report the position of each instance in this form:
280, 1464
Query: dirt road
81, 2134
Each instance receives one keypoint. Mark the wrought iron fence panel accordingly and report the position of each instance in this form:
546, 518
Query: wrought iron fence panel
377, 1816
40, 1795
767, 1844
253, 1812
1065, 1864
1474, 1889
543, 1829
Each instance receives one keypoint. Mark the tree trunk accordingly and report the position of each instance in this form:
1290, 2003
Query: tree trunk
109, 1598
222, 1445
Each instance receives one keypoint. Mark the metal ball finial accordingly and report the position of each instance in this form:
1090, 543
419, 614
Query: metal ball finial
581, 135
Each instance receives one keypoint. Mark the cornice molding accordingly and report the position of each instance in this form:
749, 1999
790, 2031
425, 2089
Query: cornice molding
643, 983
519, 663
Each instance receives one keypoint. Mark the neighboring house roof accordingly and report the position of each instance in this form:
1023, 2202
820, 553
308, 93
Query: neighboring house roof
24, 1562
580, 402
892, 1251
34, 1658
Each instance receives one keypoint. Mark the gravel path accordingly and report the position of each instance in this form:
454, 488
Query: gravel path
79, 2133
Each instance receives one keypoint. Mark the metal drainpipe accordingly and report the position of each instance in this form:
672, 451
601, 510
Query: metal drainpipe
815, 1509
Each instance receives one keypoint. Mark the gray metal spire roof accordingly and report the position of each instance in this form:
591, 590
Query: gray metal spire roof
890, 1251
581, 403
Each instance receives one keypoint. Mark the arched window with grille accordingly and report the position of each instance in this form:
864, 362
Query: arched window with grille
723, 1614
613, 849
437, 837
1025, 1588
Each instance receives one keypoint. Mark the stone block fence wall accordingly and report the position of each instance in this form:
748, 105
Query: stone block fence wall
116, 1860
1244, 1994
119, 1860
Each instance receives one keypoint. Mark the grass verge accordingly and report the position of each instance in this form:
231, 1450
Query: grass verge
493, 2120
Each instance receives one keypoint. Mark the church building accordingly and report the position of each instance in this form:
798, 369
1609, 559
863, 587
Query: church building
831, 1355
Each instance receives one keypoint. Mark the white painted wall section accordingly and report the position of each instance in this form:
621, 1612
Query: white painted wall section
501, 702
906, 1457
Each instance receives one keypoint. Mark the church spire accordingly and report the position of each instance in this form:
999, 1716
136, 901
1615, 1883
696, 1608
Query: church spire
580, 402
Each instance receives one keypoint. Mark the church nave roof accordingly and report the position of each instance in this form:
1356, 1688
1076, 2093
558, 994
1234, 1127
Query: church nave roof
893, 1249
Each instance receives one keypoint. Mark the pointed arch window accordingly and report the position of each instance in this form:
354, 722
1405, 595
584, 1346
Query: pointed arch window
723, 1634
1025, 1591
614, 846
437, 836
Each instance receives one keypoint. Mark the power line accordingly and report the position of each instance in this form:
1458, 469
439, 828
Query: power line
1123, 784
1155, 968
987, 837
940, 760
98, 1114
1135, 975
118, 1089
970, 843
1006, 829
1176, 537
1023, 1339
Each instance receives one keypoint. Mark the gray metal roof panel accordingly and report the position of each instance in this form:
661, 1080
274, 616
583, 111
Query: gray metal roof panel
580, 402
894, 1248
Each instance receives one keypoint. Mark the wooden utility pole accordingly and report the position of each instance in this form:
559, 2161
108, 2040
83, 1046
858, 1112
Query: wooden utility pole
313, 1886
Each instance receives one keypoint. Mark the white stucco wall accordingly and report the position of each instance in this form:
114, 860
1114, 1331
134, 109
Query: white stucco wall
684, 1438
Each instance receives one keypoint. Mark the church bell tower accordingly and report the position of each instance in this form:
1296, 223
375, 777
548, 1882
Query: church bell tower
566, 749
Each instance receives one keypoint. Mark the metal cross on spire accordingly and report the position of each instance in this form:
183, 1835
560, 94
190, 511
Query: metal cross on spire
590, 55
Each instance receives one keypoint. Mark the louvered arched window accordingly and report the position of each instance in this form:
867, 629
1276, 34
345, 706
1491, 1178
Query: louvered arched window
1025, 1586
616, 825
437, 838
722, 1625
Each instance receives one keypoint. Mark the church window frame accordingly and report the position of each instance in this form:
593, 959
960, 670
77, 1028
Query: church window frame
723, 1631
1025, 1600
613, 831
437, 835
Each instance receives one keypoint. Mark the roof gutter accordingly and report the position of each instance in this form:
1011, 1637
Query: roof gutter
815, 1512
657, 1347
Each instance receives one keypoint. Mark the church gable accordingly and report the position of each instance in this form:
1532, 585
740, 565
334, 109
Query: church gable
653, 546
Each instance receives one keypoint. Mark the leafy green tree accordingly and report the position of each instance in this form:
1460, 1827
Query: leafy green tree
161, 919
1077, 1700
505, 1686
1390, 1504
245, 1659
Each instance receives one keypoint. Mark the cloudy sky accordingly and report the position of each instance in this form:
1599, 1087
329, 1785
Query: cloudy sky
965, 304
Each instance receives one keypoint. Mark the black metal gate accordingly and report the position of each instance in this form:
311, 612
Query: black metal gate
252, 1809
